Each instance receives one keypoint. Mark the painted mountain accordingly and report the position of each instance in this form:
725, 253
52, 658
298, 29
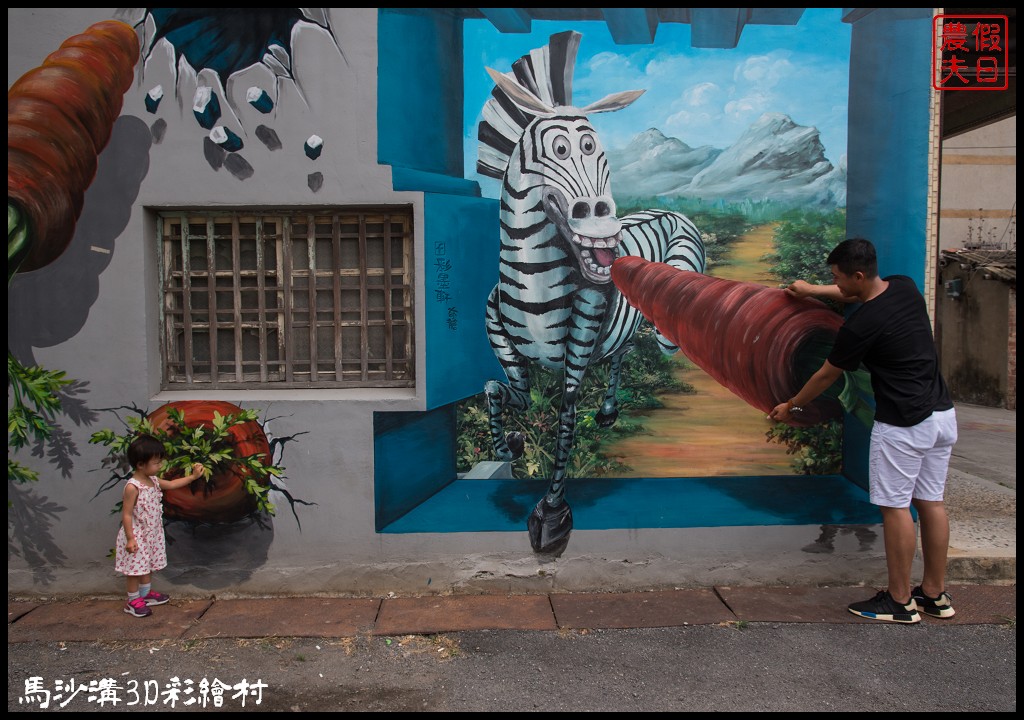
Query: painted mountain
775, 159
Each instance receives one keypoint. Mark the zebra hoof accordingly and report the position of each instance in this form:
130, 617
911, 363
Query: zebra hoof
606, 419
549, 527
516, 443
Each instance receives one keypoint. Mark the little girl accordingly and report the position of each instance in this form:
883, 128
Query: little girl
141, 549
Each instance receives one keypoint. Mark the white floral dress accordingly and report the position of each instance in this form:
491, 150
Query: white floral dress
148, 526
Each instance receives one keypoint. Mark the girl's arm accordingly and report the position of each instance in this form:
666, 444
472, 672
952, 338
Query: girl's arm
131, 495
197, 472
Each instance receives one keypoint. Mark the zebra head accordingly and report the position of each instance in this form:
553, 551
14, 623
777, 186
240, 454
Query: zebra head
548, 151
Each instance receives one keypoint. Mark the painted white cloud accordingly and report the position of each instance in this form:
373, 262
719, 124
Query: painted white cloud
701, 94
766, 71
668, 66
686, 119
745, 107
603, 74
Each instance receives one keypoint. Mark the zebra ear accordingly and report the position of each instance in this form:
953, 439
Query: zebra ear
615, 101
522, 97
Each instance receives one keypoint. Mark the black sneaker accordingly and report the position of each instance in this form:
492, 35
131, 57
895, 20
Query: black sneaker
883, 607
940, 607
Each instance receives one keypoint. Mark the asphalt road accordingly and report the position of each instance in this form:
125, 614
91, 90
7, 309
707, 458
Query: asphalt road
729, 667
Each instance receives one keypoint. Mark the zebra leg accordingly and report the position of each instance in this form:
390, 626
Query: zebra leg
515, 395
499, 397
609, 411
551, 520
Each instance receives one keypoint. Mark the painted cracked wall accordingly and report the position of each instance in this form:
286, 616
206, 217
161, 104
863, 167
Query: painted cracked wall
377, 466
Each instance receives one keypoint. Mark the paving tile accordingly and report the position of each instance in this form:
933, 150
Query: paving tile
90, 620
975, 604
15, 609
434, 614
287, 617
980, 605
663, 608
795, 604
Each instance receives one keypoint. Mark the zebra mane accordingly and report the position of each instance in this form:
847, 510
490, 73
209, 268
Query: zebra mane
545, 72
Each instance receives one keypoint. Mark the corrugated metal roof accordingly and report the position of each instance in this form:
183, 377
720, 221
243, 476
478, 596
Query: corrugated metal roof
998, 264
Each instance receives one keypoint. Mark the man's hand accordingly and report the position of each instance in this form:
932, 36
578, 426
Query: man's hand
802, 289
783, 412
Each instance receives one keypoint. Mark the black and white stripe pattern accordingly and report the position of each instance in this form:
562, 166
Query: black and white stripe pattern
554, 303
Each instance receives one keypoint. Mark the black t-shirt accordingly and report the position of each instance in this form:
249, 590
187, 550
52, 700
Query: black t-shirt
892, 335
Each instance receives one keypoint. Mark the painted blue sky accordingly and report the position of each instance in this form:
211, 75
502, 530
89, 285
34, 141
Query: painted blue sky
701, 96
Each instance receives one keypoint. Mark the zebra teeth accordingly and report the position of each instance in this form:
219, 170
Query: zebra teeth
588, 242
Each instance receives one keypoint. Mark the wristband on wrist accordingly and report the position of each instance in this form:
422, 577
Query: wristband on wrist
793, 407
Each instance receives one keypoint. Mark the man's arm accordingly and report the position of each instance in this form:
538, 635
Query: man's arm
818, 383
802, 289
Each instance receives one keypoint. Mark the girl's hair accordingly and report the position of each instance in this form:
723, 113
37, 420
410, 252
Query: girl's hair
143, 449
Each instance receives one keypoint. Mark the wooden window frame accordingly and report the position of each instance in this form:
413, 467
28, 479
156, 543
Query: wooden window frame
336, 313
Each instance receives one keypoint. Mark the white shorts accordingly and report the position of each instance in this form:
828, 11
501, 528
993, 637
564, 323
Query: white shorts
911, 462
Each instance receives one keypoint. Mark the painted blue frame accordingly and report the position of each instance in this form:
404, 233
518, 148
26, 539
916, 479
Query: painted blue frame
416, 487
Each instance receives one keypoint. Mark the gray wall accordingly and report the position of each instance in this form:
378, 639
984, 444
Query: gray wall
94, 314
978, 335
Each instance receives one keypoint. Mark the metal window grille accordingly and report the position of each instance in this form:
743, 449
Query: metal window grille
289, 299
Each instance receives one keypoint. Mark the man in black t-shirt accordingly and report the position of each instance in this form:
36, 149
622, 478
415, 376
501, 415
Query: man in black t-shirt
914, 429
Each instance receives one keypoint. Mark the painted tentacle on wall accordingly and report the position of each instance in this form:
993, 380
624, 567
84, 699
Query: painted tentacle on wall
757, 341
554, 304
59, 118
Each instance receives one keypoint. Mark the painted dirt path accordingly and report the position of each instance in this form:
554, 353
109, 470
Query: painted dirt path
711, 432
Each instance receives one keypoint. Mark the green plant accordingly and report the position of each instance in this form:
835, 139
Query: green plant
734, 624
803, 241
31, 411
817, 450
645, 373
210, 444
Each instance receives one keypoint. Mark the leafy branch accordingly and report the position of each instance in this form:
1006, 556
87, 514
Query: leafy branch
30, 415
210, 444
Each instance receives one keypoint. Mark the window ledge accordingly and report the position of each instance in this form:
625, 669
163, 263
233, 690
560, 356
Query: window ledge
291, 395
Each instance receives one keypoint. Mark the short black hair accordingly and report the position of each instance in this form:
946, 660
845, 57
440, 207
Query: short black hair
855, 255
143, 449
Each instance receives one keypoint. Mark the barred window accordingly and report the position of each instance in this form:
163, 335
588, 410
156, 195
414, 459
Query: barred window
311, 298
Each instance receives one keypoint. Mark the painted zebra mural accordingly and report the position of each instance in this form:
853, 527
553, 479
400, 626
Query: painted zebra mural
554, 304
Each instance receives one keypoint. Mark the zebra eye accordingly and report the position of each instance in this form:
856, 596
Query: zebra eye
561, 147
587, 144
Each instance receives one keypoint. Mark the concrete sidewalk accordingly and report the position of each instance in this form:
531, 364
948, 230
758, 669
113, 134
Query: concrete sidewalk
981, 496
92, 620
